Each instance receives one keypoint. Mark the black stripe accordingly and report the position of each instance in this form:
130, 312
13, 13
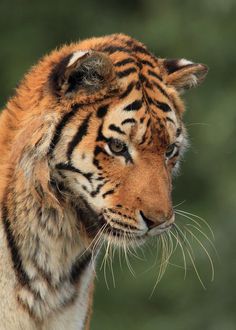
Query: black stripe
100, 136
141, 49
148, 84
142, 78
65, 119
46, 275
113, 49
128, 120
150, 100
138, 85
140, 66
95, 192
125, 61
125, 73
142, 120
79, 267
148, 122
99, 150
146, 62
143, 139
82, 131
15, 254
128, 90
169, 119
178, 131
163, 106
97, 164
123, 224
160, 89
99, 178
117, 129
154, 74
128, 159
134, 106
102, 111
57, 72
69, 167
109, 192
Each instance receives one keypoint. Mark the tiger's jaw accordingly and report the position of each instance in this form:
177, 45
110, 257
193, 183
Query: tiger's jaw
120, 231
123, 238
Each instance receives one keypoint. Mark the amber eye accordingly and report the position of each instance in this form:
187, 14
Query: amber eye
170, 150
117, 146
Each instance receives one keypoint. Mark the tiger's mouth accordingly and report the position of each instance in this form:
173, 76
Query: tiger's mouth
159, 229
117, 227
119, 232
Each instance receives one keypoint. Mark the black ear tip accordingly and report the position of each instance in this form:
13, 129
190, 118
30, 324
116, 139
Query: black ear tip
171, 65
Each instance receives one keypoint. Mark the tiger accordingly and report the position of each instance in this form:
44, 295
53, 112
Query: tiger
89, 143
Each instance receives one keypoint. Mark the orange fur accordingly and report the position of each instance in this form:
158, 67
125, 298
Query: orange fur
63, 186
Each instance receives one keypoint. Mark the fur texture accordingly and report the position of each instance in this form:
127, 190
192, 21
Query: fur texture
88, 145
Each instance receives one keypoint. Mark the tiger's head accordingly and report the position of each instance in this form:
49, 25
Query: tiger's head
117, 133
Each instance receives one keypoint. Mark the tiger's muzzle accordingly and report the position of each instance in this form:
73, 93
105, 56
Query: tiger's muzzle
155, 229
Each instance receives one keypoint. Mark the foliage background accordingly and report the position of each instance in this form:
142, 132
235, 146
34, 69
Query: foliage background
203, 31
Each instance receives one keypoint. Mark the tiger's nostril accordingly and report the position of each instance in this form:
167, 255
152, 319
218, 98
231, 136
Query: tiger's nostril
148, 222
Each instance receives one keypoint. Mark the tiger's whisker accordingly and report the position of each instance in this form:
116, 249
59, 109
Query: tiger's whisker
184, 237
205, 236
188, 217
195, 268
199, 218
205, 250
182, 251
179, 204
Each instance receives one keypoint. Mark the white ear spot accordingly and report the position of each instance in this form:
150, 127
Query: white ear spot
76, 56
184, 62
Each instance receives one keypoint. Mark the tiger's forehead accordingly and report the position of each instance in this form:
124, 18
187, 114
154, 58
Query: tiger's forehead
142, 130
143, 109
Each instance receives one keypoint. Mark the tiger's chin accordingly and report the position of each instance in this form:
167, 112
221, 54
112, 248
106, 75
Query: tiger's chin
123, 239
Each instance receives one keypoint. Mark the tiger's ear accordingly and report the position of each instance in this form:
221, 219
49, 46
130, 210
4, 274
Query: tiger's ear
183, 74
85, 70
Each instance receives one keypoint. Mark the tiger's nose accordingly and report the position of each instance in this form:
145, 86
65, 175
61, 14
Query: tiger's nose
161, 221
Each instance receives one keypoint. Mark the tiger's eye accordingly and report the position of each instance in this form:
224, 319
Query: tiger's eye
117, 146
170, 149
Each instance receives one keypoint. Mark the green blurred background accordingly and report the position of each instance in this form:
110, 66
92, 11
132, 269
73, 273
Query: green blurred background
203, 31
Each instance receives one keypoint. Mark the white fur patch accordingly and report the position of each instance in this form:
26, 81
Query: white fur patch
184, 62
77, 55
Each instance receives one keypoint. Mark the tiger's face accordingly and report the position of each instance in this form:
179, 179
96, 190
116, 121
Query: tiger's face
120, 135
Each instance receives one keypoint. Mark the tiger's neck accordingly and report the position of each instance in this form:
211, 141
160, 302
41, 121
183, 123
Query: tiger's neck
52, 262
